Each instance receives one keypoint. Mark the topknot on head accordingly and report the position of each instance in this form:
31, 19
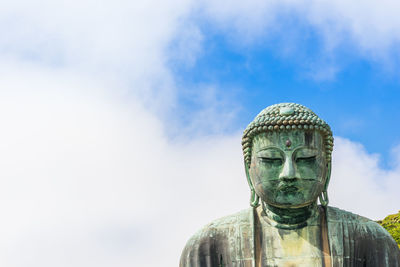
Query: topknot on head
284, 117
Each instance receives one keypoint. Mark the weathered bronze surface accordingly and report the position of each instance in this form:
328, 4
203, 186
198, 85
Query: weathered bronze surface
287, 151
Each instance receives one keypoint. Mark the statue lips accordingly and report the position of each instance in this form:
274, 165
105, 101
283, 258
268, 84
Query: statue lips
291, 187
288, 187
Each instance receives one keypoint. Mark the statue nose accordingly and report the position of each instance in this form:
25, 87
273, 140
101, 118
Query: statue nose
288, 171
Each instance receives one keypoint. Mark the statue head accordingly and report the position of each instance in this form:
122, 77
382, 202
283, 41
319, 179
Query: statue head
287, 152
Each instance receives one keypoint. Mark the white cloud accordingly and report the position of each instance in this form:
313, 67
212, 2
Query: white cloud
88, 180
360, 185
369, 29
123, 42
371, 24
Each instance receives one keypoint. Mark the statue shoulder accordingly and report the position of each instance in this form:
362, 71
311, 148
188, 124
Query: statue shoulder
374, 244
233, 219
215, 241
359, 223
221, 226
337, 214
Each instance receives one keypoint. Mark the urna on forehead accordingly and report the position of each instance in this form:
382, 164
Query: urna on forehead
282, 118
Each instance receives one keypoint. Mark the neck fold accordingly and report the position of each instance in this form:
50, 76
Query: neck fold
289, 218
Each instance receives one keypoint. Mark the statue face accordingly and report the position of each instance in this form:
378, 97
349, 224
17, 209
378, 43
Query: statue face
288, 169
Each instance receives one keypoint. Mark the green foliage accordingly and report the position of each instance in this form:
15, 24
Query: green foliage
392, 224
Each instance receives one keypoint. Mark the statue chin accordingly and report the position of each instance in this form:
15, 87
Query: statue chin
289, 199
290, 205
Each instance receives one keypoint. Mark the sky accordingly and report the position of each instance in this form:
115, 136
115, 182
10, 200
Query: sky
122, 121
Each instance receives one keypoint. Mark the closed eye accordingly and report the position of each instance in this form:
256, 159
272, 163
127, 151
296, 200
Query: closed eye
309, 159
271, 160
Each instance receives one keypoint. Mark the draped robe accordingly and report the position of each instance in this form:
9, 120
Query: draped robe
246, 239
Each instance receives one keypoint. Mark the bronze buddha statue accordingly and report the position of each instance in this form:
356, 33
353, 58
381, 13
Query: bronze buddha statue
287, 154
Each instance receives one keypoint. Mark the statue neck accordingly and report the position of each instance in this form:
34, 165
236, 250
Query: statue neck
289, 218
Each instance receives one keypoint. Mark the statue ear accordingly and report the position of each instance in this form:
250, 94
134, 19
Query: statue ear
323, 197
328, 176
254, 198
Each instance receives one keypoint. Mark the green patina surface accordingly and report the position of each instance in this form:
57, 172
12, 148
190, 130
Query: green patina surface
288, 169
392, 224
287, 153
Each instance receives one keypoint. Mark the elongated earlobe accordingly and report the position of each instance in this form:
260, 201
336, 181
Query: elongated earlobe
254, 198
323, 197
328, 176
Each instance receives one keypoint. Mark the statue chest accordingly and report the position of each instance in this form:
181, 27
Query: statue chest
294, 247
